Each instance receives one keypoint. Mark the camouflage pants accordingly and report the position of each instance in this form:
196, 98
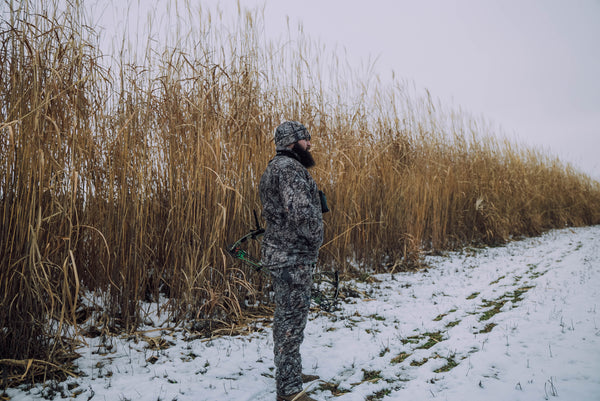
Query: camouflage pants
292, 301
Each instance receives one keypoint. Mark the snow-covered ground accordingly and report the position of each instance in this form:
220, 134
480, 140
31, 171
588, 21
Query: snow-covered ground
518, 322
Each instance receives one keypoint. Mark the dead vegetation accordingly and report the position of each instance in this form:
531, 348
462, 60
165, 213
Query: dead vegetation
126, 181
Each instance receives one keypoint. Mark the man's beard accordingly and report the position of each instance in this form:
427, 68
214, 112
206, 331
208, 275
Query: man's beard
306, 158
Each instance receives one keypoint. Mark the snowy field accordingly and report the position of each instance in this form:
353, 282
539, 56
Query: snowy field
518, 322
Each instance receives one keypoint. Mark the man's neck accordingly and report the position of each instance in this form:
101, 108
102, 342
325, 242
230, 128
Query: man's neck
289, 153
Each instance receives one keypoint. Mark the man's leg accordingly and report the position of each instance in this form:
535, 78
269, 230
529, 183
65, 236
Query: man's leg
292, 301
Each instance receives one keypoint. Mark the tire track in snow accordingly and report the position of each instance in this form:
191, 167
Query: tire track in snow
480, 286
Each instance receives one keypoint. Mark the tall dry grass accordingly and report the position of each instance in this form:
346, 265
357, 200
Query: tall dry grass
120, 183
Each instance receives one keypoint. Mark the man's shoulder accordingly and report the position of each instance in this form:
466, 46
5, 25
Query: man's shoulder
277, 168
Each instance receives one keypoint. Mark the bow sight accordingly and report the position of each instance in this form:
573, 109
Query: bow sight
240, 253
325, 285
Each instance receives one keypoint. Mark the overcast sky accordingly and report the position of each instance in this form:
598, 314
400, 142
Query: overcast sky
531, 66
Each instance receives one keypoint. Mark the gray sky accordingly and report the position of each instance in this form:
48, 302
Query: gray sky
531, 66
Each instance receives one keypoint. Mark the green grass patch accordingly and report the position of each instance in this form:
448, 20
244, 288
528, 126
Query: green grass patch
488, 327
439, 317
400, 358
370, 375
419, 363
434, 338
379, 395
517, 295
493, 308
443, 315
411, 340
473, 295
535, 275
452, 324
334, 388
450, 364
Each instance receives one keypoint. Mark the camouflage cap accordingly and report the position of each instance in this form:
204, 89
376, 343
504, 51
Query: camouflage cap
290, 132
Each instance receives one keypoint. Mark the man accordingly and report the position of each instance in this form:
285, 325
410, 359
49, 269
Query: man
290, 246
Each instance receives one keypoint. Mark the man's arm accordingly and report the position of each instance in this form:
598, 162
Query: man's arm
304, 212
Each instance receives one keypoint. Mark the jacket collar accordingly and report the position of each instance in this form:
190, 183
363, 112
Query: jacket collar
288, 153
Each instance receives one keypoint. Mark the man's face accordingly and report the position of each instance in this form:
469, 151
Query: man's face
302, 148
305, 144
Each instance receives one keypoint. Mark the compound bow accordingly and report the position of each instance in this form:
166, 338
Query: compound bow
323, 281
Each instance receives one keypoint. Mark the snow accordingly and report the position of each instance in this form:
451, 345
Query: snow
408, 336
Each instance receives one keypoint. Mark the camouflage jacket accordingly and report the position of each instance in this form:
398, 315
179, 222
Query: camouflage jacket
292, 210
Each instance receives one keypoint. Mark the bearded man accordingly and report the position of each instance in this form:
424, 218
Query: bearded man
290, 247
